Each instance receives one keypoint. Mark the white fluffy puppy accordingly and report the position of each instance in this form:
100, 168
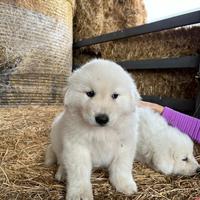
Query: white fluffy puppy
163, 147
97, 128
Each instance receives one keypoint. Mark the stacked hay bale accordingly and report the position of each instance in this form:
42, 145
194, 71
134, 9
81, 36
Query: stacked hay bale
35, 50
165, 44
94, 18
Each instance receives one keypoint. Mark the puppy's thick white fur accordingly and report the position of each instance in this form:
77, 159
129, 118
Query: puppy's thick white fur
163, 147
80, 143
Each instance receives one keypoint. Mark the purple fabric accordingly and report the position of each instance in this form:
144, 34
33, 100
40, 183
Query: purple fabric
185, 123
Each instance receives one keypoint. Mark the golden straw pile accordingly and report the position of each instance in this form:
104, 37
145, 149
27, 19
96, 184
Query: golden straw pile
23, 140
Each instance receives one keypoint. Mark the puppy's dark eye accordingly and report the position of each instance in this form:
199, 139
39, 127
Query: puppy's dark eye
185, 159
90, 93
115, 95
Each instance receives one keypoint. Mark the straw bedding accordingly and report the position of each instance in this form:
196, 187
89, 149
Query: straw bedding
23, 140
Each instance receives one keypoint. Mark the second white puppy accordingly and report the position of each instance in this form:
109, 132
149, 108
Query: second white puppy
163, 147
98, 128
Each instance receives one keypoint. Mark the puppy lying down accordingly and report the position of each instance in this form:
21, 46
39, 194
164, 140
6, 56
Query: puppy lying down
163, 147
98, 128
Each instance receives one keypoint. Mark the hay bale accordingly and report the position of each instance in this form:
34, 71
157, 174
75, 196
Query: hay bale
23, 139
167, 83
58, 9
35, 50
94, 18
165, 44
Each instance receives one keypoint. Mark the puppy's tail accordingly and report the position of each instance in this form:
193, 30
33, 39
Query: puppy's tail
50, 156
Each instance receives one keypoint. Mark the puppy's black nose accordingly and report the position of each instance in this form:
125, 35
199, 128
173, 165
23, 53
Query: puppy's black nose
102, 119
198, 170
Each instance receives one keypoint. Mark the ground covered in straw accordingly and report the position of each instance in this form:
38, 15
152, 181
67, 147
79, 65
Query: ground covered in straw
23, 140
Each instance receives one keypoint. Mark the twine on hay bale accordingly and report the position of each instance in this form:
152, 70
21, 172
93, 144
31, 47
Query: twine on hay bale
23, 139
58, 9
35, 50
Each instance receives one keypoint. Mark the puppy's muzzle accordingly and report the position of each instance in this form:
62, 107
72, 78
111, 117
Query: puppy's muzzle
102, 119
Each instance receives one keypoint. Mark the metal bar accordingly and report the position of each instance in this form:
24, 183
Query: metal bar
197, 105
182, 105
173, 22
167, 63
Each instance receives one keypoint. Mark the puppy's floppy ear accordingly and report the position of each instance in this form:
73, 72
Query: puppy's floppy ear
164, 162
66, 94
134, 93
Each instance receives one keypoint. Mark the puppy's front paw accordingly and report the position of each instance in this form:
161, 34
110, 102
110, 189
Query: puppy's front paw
60, 174
125, 186
79, 194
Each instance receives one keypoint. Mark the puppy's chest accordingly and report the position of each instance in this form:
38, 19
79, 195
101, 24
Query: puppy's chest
103, 149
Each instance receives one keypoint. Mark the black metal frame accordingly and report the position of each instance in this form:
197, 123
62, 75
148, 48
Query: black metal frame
186, 62
197, 102
187, 106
